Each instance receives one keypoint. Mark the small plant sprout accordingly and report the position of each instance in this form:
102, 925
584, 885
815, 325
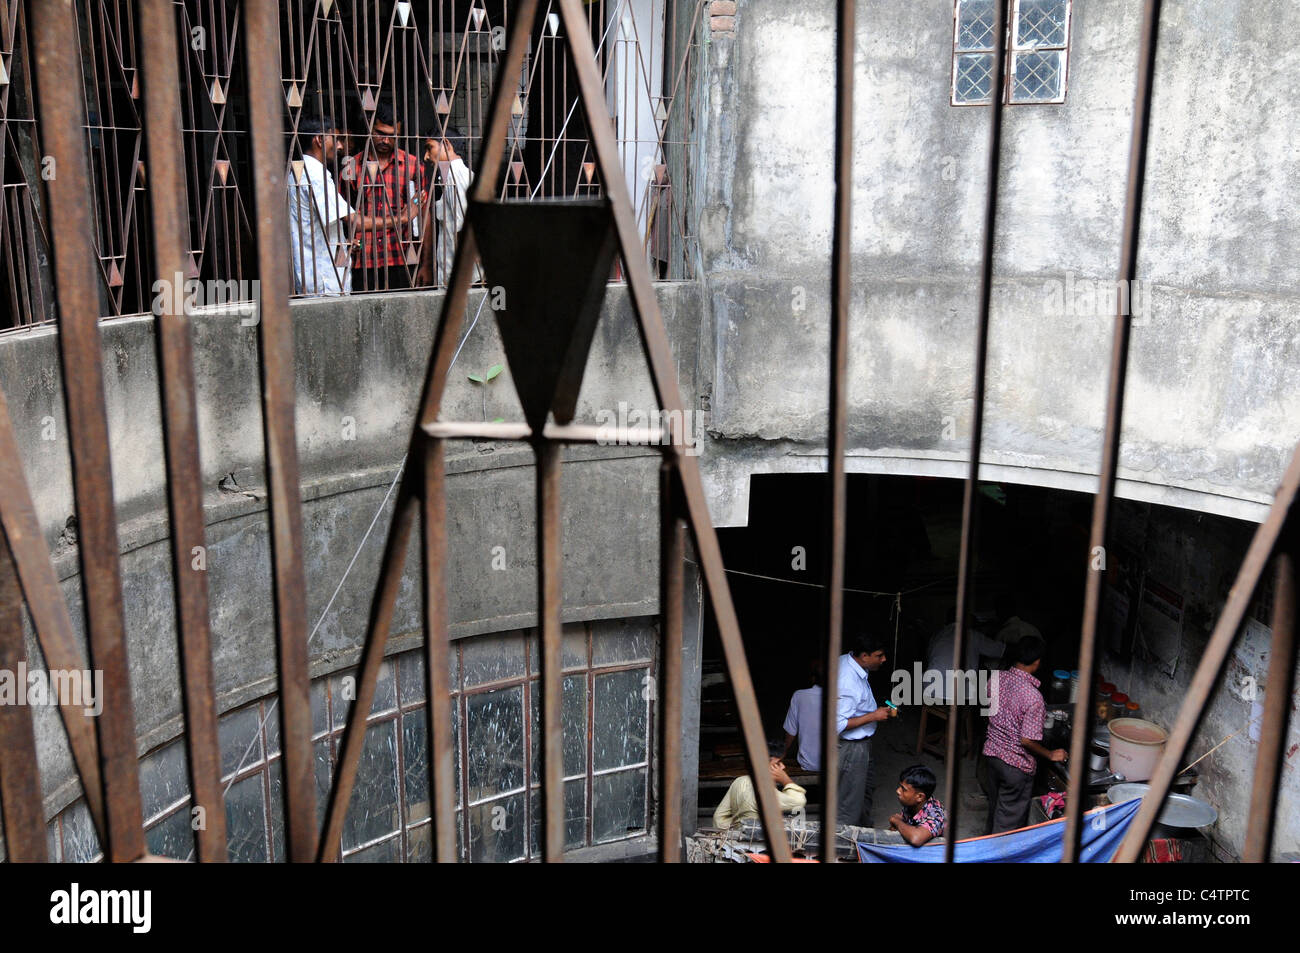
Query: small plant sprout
483, 380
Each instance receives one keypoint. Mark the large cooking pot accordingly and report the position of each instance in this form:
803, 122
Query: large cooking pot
1135, 747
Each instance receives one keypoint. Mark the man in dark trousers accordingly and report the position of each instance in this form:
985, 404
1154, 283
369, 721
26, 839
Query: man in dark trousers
856, 715
1015, 730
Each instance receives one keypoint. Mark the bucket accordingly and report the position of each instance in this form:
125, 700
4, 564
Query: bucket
1135, 747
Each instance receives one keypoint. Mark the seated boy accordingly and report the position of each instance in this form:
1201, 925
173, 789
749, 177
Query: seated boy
922, 817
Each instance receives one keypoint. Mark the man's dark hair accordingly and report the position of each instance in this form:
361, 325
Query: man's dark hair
310, 128
456, 138
775, 749
384, 114
920, 778
1030, 649
865, 643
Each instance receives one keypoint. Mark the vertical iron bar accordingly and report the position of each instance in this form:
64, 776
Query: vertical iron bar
663, 375
160, 89
1277, 702
837, 419
265, 107
80, 352
1110, 451
550, 596
438, 647
672, 554
1205, 681
969, 513
20, 783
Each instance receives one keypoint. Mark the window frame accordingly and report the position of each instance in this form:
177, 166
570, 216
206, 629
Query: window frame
1012, 50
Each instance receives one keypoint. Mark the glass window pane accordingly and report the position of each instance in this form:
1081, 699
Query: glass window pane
974, 77
246, 821
172, 836
619, 642
415, 735
80, 843
163, 779
410, 671
975, 25
237, 733
496, 830
277, 814
419, 844
495, 723
388, 852
573, 722
493, 658
52, 842
345, 685
1037, 77
621, 719
575, 817
373, 810
617, 805
573, 648
1041, 23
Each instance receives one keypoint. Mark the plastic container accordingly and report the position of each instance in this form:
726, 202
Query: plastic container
1135, 747
1101, 706
1074, 685
1059, 687
1118, 705
1132, 710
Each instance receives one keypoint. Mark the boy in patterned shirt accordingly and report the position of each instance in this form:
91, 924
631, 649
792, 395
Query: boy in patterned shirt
922, 818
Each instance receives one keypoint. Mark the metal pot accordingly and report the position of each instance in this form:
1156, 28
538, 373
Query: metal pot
1181, 812
1097, 759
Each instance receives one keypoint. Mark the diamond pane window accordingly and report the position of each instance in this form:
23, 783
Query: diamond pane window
1038, 50
972, 58
1039, 47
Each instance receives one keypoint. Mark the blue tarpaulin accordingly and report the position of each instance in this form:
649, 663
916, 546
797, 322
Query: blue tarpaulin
1103, 829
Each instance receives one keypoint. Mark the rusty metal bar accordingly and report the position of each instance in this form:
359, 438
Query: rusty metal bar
80, 352
428, 454
20, 782
969, 510
438, 655
550, 600
165, 155
1114, 431
654, 339
672, 555
1206, 679
1277, 701
837, 417
48, 609
275, 338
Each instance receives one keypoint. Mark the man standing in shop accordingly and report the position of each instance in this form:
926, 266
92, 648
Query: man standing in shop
856, 715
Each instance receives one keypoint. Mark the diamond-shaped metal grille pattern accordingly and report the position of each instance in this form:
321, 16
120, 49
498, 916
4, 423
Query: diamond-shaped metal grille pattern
974, 77
975, 25
1041, 23
1036, 77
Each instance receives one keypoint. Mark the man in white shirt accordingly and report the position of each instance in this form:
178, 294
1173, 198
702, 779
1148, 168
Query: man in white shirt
804, 722
319, 215
856, 714
447, 204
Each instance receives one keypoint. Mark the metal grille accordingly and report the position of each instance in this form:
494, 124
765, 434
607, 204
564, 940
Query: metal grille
431, 62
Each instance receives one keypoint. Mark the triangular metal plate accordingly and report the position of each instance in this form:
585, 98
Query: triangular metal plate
553, 260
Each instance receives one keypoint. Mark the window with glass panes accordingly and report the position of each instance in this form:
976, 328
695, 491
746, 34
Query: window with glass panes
606, 715
1038, 52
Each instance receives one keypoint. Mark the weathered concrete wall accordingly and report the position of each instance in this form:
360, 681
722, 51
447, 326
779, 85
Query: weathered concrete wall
360, 367
1213, 409
1197, 557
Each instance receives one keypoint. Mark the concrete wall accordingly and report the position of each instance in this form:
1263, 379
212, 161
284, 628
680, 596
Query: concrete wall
360, 364
1213, 408
1197, 556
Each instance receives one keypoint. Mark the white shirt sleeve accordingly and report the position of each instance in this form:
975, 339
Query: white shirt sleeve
330, 204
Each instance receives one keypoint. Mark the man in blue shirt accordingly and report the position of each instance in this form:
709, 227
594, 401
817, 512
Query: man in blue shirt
856, 714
